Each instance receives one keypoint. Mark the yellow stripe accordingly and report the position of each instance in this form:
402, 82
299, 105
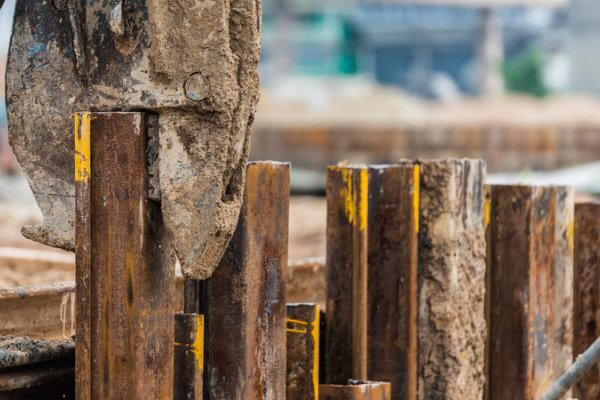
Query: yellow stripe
416, 195
347, 194
297, 330
364, 197
296, 321
198, 347
488, 211
571, 230
82, 147
315, 332
315, 327
356, 209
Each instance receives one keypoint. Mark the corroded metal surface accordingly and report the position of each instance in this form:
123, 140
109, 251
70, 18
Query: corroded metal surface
356, 391
586, 301
16, 351
33, 368
191, 63
244, 301
346, 329
451, 279
39, 311
47, 311
303, 334
38, 381
393, 225
189, 356
531, 277
125, 287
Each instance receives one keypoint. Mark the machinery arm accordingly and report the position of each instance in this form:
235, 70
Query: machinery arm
190, 64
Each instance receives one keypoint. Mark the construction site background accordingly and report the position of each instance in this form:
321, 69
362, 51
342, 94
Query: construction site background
372, 83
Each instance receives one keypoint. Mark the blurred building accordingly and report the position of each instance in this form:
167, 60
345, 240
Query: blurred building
585, 45
424, 46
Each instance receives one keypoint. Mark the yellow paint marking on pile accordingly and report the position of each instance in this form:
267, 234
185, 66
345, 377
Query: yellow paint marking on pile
198, 346
356, 209
315, 332
571, 231
347, 194
296, 321
297, 330
416, 195
488, 211
82, 147
363, 206
315, 326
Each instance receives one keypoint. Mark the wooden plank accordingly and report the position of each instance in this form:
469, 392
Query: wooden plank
125, 270
244, 301
303, 335
347, 210
189, 356
356, 391
393, 225
586, 300
451, 279
531, 267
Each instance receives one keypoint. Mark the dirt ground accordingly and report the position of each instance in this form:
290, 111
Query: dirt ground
307, 239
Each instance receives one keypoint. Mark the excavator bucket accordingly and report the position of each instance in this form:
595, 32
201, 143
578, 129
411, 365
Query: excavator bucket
191, 65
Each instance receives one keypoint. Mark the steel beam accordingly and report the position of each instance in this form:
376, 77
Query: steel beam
189, 356
346, 328
244, 301
586, 293
303, 335
393, 225
125, 266
530, 284
451, 279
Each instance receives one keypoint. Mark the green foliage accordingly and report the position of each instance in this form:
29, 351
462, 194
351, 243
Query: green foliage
524, 74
